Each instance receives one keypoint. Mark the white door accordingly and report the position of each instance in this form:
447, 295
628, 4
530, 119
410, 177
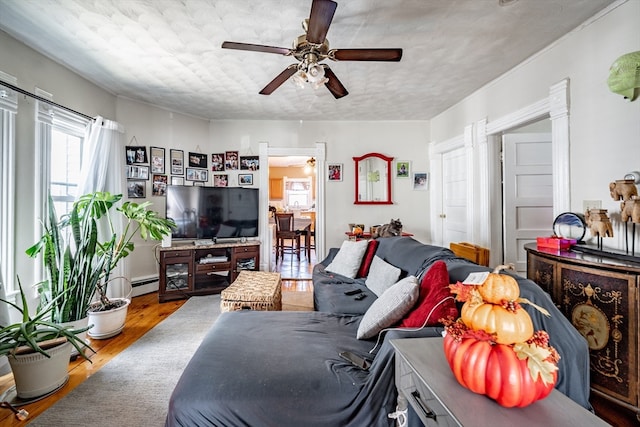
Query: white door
454, 197
527, 193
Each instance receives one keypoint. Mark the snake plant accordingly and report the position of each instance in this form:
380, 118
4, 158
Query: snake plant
79, 260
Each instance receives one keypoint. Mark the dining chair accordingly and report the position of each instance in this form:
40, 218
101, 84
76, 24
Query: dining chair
285, 232
310, 234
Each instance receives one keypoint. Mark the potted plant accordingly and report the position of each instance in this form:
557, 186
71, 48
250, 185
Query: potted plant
79, 261
38, 349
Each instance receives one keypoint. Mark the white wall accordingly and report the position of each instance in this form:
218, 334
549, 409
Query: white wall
604, 128
402, 140
34, 70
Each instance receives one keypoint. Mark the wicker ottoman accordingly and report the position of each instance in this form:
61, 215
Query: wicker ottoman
253, 290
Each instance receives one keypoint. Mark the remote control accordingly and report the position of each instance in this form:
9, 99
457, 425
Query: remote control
353, 291
355, 360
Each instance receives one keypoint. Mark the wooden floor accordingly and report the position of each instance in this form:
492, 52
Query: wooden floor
144, 313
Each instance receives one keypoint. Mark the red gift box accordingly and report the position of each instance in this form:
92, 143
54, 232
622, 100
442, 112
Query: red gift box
555, 243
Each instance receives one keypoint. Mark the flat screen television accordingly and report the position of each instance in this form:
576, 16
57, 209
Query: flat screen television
213, 212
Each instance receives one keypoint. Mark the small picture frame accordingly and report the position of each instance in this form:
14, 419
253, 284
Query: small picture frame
217, 162
136, 189
177, 162
200, 175
197, 160
231, 161
159, 185
221, 180
249, 163
157, 160
245, 179
421, 181
137, 172
402, 169
334, 171
177, 180
136, 154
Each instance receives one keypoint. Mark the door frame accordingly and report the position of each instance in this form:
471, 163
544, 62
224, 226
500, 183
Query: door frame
266, 151
484, 184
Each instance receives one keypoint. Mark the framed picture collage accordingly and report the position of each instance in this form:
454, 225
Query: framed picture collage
143, 165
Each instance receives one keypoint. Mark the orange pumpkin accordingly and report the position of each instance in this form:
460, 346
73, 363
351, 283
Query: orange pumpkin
497, 371
499, 287
509, 325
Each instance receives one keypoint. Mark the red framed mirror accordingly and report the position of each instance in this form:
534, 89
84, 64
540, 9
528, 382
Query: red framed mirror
373, 179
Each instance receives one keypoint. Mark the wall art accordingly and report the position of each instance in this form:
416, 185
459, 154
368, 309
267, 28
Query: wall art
157, 160
136, 189
249, 163
231, 160
402, 169
421, 181
334, 172
137, 172
197, 160
217, 162
245, 179
136, 154
221, 180
177, 162
159, 187
194, 174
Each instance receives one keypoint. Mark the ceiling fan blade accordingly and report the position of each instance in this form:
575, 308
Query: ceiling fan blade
256, 48
280, 78
320, 19
335, 87
393, 55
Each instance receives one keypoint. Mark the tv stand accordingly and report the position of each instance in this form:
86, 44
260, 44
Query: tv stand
203, 269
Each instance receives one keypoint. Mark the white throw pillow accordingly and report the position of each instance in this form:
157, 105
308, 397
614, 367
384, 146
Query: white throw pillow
348, 259
382, 276
389, 308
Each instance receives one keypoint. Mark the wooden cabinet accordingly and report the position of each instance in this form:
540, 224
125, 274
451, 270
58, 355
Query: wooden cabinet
599, 294
276, 189
202, 270
424, 380
176, 274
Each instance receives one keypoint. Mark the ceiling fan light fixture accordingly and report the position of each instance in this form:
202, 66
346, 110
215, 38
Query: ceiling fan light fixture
299, 79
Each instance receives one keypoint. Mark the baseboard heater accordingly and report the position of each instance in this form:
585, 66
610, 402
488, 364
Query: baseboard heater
144, 281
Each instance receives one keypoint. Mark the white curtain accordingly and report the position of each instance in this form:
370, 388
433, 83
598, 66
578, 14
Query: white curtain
102, 170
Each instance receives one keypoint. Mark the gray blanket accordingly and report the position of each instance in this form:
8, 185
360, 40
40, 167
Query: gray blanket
286, 371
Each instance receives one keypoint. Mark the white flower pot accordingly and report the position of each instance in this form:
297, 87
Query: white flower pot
107, 324
36, 375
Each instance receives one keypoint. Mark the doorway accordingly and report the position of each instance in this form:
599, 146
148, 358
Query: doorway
293, 189
527, 193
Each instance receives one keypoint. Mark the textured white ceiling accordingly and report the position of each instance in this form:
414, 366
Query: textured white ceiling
168, 53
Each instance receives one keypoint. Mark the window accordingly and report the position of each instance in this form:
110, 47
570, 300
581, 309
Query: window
8, 110
61, 137
65, 162
298, 193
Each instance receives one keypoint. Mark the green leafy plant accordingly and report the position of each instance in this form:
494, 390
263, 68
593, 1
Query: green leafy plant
79, 261
32, 332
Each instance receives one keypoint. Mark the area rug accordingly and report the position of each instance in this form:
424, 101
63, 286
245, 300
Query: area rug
133, 389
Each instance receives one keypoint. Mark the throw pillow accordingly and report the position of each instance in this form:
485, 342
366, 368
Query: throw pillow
434, 288
348, 259
368, 258
382, 276
389, 308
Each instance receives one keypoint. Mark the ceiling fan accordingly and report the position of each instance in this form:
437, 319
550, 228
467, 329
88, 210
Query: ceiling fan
311, 48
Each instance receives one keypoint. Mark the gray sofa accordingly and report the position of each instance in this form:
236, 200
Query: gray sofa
263, 368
